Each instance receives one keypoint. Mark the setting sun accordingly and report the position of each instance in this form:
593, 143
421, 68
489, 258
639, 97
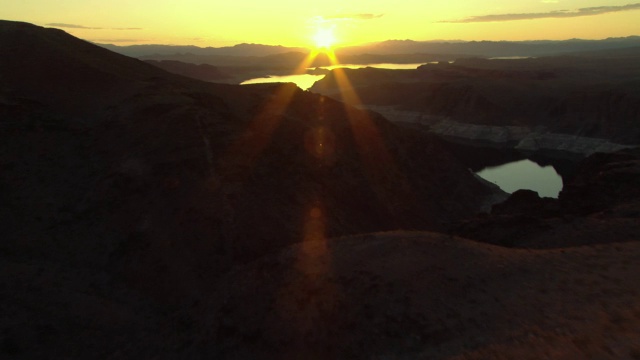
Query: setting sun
324, 38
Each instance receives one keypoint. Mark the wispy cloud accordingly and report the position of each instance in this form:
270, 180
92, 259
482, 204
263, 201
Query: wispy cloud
112, 41
75, 26
72, 26
589, 11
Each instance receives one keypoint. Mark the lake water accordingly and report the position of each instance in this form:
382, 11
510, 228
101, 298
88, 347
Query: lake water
379, 66
305, 81
524, 174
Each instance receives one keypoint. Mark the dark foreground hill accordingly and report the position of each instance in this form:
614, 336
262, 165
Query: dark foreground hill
389, 295
202, 72
112, 165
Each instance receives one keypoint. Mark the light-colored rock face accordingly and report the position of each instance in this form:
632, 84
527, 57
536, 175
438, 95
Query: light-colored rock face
573, 144
517, 137
495, 134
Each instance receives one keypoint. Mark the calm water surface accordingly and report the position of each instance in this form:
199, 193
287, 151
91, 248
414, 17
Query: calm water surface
379, 66
524, 174
305, 81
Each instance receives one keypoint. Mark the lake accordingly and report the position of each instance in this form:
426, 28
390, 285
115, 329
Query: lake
379, 66
524, 174
305, 81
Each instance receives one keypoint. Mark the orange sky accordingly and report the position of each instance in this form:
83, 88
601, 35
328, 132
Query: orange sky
294, 23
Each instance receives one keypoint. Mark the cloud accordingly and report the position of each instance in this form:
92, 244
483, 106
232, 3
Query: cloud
111, 41
74, 26
598, 10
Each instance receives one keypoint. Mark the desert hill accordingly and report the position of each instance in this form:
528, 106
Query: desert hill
113, 163
64, 72
247, 61
236, 50
397, 47
202, 72
402, 295
492, 48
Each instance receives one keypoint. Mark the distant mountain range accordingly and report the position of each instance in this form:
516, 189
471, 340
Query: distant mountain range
492, 48
392, 47
237, 50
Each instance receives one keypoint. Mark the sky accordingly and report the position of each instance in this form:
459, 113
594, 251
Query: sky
295, 23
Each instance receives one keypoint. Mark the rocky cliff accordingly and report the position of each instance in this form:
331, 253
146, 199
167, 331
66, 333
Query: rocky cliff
599, 204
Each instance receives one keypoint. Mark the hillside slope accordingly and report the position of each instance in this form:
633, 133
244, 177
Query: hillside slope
401, 295
122, 166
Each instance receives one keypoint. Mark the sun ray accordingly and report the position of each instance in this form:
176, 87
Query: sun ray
245, 150
386, 179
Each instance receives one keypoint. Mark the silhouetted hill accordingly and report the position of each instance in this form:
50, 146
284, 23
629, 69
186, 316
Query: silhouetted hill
619, 53
409, 295
286, 61
253, 60
491, 48
396, 47
202, 72
53, 68
236, 50
118, 166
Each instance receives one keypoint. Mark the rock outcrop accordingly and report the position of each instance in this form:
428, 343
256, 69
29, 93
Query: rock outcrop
601, 200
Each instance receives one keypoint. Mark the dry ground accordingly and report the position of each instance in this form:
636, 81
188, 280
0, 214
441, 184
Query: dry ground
409, 295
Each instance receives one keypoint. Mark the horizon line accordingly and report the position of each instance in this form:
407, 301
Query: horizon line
98, 42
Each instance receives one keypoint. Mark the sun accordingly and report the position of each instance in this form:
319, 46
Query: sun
324, 39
